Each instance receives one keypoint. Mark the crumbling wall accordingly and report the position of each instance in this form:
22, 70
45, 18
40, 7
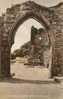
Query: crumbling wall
51, 18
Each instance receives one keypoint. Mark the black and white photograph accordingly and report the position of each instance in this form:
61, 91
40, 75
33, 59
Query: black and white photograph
31, 49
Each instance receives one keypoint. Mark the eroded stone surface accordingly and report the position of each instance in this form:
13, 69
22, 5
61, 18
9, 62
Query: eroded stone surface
51, 18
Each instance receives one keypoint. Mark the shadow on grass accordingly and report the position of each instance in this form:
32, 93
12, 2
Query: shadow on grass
17, 80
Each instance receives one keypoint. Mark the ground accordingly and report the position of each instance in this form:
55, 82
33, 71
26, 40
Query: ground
30, 83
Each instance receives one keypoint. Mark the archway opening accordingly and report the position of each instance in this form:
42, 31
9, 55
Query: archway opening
23, 50
23, 33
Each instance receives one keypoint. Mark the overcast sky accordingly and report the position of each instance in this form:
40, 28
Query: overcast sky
7, 3
23, 32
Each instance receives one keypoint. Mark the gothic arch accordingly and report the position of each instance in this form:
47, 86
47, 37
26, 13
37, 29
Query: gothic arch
13, 31
49, 17
29, 10
13, 18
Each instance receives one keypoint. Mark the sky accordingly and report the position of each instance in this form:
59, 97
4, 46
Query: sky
7, 3
23, 32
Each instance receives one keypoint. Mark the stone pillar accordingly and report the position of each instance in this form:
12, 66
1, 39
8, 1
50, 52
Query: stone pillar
4, 56
0, 51
5, 61
56, 63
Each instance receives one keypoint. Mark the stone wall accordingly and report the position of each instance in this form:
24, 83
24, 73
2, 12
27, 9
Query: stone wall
51, 18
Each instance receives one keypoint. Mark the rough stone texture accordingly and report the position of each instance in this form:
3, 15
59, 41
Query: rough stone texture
51, 18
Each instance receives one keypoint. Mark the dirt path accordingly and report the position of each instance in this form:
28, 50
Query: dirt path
29, 83
29, 72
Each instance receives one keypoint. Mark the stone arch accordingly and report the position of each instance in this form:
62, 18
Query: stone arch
13, 31
29, 12
13, 18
